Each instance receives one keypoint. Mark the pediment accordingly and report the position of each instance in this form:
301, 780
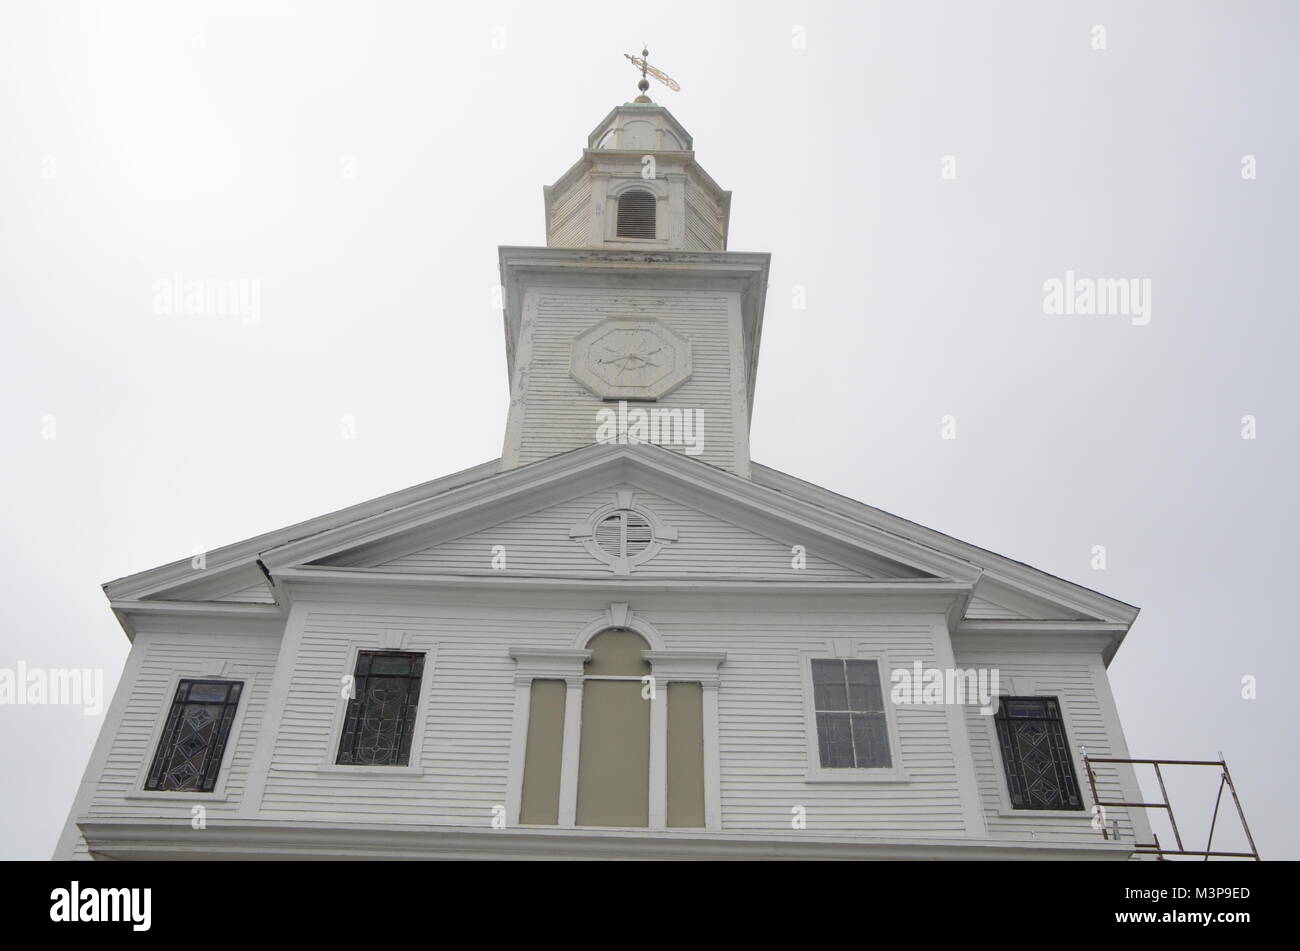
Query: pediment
587, 536
713, 524
722, 526
241, 584
1001, 602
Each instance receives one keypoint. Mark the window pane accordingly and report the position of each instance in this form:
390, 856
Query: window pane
871, 740
829, 691
391, 665
208, 692
864, 685
835, 740
193, 742
379, 725
1025, 708
1036, 754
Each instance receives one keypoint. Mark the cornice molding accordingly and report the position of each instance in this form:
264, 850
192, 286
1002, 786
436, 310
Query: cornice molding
151, 839
560, 477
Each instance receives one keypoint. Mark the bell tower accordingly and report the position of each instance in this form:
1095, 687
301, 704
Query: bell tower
634, 323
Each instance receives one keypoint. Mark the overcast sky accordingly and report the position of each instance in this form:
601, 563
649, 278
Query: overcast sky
361, 163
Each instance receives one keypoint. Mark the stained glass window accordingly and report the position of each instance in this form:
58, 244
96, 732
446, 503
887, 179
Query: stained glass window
194, 737
852, 732
1036, 754
380, 720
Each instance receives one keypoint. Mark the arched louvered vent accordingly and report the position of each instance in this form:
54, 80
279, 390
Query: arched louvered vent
624, 534
636, 214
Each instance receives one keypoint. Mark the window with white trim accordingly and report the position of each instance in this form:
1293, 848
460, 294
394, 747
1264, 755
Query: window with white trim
379, 724
193, 743
852, 727
1036, 754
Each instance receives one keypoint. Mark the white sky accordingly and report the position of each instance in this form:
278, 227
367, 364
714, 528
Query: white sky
138, 140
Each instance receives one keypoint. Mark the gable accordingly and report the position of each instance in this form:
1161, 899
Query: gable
242, 584
254, 594
552, 541
997, 602
724, 527
982, 609
1006, 589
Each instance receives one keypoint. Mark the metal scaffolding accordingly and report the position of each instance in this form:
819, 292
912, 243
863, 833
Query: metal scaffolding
1154, 848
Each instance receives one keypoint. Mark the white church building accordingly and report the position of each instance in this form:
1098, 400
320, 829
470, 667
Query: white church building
623, 638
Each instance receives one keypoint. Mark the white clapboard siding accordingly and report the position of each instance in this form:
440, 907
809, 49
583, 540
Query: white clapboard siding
571, 217
704, 220
706, 545
984, 609
560, 414
255, 594
1070, 680
164, 655
467, 728
763, 739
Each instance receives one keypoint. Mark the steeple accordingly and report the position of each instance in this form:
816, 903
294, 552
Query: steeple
635, 307
637, 185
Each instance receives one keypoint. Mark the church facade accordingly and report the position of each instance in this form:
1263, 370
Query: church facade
623, 638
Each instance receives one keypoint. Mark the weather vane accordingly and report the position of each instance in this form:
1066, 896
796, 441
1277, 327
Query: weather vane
642, 63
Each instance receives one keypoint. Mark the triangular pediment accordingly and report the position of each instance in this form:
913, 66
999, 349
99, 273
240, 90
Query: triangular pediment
238, 584
718, 525
1000, 602
676, 540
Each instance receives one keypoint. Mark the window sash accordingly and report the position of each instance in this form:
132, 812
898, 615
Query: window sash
1036, 754
848, 703
194, 739
379, 722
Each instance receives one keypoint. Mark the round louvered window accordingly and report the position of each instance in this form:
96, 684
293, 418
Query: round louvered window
624, 534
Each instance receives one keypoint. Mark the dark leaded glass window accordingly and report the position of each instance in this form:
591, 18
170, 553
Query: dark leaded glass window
1040, 772
852, 732
194, 738
380, 719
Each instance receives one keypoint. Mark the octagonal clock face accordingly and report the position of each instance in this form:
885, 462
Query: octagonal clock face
631, 359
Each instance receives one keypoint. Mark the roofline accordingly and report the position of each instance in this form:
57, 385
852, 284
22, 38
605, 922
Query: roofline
236, 556
1002, 567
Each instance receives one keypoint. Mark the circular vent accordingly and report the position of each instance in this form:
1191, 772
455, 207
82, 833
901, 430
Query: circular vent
624, 534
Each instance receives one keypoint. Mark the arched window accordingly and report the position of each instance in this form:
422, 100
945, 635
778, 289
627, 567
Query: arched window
636, 214
614, 752
616, 731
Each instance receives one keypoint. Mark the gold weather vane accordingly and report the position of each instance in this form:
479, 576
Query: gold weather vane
642, 63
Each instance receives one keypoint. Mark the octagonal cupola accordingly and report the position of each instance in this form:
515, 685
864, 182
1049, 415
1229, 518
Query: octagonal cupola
640, 127
638, 186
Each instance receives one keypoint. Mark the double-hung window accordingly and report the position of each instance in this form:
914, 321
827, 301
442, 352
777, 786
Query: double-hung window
852, 727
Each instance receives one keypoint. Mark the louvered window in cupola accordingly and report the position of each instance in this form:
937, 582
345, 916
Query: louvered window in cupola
636, 214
